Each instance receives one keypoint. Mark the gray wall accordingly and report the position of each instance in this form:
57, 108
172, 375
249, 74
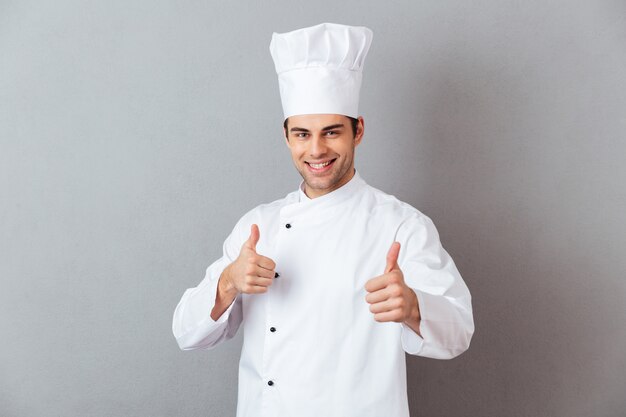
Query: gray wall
134, 134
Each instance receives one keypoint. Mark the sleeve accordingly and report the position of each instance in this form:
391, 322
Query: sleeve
192, 324
447, 323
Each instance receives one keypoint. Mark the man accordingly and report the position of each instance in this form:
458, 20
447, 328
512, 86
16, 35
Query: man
335, 282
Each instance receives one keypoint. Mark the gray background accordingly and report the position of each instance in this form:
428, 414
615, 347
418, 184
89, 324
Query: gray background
133, 135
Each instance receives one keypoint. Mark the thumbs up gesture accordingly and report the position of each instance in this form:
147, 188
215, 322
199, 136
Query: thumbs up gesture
250, 273
389, 297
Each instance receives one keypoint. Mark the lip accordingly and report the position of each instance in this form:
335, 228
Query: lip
323, 169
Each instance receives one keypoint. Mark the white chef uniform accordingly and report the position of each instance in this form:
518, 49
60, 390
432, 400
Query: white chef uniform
311, 346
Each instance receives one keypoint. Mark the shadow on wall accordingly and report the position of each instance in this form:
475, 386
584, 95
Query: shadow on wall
485, 181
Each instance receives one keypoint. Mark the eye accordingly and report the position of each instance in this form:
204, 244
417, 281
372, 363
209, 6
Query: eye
331, 133
301, 135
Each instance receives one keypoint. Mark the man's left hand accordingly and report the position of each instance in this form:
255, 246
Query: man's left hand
389, 297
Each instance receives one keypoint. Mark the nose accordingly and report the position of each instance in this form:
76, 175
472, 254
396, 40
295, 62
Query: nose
317, 147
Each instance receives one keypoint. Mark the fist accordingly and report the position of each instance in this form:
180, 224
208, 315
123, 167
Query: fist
251, 273
390, 299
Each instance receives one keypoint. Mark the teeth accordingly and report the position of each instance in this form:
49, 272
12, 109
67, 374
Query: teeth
318, 166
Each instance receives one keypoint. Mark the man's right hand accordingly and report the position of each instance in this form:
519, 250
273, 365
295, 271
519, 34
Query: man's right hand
250, 273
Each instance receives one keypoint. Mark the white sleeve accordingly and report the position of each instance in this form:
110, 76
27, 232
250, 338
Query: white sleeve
447, 323
192, 324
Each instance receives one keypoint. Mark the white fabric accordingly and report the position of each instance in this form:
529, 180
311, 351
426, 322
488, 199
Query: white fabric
328, 356
320, 68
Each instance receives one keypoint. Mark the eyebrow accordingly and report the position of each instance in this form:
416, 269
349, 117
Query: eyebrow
331, 127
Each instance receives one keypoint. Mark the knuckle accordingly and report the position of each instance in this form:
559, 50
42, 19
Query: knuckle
394, 278
396, 290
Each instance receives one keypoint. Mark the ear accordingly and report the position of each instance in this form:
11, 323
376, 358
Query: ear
286, 136
360, 129
285, 133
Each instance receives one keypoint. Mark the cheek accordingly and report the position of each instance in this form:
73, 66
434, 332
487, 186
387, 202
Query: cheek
345, 152
298, 151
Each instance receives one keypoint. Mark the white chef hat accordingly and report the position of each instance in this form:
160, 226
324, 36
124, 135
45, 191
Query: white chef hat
320, 68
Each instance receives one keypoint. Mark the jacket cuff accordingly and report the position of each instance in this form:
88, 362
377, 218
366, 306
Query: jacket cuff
411, 342
193, 324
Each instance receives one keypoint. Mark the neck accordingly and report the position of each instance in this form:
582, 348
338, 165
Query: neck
313, 193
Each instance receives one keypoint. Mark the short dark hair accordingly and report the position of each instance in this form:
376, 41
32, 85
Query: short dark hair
353, 122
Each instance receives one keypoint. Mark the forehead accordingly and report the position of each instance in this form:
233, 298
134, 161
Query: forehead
317, 121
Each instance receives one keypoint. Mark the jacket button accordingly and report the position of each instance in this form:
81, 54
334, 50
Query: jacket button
276, 275
270, 383
272, 329
288, 225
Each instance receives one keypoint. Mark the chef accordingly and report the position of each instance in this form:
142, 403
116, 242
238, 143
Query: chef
334, 283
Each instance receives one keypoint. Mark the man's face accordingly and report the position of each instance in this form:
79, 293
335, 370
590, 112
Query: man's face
322, 149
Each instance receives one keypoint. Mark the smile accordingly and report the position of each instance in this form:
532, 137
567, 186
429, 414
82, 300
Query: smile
321, 167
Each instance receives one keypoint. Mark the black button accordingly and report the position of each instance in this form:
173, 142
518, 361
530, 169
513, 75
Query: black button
276, 275
270, 383
288, 225
272, 329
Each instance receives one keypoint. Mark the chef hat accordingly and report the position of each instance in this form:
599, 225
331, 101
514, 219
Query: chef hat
320, 68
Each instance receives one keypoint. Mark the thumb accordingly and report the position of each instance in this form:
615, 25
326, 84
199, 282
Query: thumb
254, 237
392, 257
